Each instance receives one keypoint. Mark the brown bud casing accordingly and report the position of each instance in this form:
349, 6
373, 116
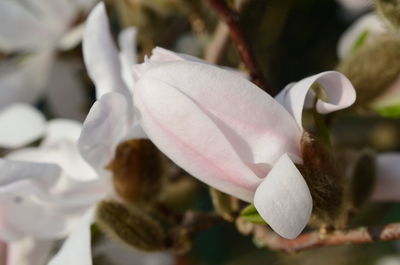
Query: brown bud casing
137, 170
320, 171
130, 226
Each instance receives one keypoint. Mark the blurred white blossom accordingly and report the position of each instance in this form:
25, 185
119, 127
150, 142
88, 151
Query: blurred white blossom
32, 32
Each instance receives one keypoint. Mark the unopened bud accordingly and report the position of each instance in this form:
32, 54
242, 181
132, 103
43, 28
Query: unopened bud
137, 170
389, 10
130, 226
320, 171
373, 67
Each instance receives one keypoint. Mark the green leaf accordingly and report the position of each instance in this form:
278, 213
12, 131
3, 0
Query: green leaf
390, 112
250, 214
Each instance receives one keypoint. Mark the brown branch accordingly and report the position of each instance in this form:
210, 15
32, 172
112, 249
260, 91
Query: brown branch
231, 18
318, 239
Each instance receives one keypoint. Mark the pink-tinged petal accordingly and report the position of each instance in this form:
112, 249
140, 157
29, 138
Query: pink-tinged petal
214, 124
58, 130
284, 200
20, 29
128, 55
190, 138
77, 248
339, 91
368, 25
248, 117
160, 55
101, 55
20, 125
387, 187
29, 252
24, 80
103, 129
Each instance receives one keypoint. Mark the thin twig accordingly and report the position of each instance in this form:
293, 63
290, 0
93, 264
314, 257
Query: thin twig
218, 44
231, 18
317, 239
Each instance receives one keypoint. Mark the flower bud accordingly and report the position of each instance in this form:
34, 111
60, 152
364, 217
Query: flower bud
320, 171
130, 226
136, 170
373, 68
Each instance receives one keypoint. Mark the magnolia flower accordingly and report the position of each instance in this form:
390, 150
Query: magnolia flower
363, 32
54, 182
35, 30
212, 122
387, 185
51, 181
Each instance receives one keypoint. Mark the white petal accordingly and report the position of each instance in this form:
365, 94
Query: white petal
103, 129
339, 90
368, 24
77, 248
284, 200
25, 81
120, 254
128, 54
128, 46
63, 153
387, 187
20, 29
29, 252
62, 130
71, 39
67, 95
24, 192
20, 125
101, 55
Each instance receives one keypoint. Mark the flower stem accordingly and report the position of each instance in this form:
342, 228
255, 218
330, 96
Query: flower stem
315, 239
231, 18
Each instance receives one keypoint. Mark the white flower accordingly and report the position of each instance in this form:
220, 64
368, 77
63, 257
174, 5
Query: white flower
212, 122
48, 193
35, 30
